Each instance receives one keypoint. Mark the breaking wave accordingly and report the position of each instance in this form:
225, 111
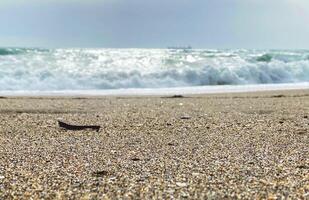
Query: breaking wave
5, 51
96, 69
17, 51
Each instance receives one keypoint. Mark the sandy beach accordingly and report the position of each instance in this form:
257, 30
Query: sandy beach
219, 146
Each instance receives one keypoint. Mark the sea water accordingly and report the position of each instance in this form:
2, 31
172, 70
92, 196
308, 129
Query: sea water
38, 71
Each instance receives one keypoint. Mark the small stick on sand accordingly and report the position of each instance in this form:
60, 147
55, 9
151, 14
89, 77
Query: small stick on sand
174, 96
77, 128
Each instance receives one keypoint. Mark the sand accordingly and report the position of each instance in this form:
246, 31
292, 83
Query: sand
227, 146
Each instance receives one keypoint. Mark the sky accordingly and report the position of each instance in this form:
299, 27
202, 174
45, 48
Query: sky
254, 24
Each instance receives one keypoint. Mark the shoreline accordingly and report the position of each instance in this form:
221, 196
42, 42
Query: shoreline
236, 145
196, 90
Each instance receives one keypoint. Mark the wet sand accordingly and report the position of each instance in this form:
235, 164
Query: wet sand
224, 146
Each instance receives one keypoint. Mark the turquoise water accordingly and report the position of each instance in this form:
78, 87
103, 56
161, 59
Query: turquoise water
32, 69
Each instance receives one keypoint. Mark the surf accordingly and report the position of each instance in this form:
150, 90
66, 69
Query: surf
105, 69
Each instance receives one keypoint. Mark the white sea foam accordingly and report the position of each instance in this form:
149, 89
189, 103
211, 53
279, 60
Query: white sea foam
101, 69
164, 91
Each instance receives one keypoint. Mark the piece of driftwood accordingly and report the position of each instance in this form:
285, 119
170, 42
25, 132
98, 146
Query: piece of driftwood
174, 96
77, 127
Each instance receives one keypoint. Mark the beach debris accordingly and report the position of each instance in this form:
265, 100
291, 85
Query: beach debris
303, 167
169, 124
177, 96
301, 132
100, 173
174, 96
171, 144
135, 159
306, 117
77, 127
278, 96
185, 117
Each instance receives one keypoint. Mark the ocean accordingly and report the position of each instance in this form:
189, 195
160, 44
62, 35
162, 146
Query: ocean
38, 71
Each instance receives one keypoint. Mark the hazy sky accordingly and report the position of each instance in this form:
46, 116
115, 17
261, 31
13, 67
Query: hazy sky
155, 23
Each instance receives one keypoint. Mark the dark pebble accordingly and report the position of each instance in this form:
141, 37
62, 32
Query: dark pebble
303, 167
301, 132
185, 117
100, 173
